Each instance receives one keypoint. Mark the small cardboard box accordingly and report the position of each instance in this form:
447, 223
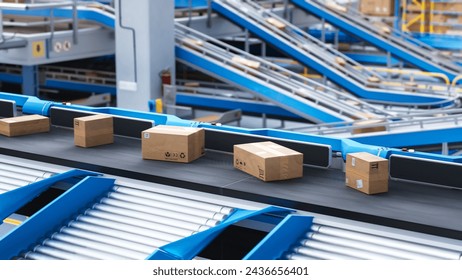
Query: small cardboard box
367, 173
24, 125
377, 7
268, 161
173, 143
368, 126
95, 130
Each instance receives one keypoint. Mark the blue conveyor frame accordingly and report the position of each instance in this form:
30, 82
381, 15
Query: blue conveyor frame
350, 27
33, 105
375, 95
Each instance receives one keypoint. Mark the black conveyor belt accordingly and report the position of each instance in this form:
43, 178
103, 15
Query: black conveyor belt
409, 206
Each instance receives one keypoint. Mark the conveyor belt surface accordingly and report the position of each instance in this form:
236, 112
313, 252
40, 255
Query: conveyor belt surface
411, 206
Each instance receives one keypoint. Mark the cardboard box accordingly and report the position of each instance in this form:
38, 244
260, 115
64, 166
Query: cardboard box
173, 143
367, 126
278, 24
247, 62
24, 125
366, 173
268, 161
95, 130
377, 7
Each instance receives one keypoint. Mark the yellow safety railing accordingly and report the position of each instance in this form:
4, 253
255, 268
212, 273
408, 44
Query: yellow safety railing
411, 72
456, 79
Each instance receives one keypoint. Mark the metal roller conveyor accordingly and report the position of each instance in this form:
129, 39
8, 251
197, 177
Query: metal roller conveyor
123, 235
57, 253
169, 206
137, 222
19, 176
322, 255
38, 256
89, 252
129, 228
346, 250
161, 212
299, 257
25, 170
12, 181
98, 246
174, 200
150, 217
112, 241
370, 247
423, 249
6, 187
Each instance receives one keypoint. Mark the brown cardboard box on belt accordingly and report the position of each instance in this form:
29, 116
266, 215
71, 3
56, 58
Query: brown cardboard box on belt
173, 143
367, 173
268, 161
94, 130
24, 125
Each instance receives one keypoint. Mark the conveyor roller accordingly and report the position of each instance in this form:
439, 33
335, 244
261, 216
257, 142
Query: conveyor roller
125, 225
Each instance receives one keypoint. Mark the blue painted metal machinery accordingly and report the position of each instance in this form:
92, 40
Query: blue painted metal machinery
33, 105
350, 79
399, 47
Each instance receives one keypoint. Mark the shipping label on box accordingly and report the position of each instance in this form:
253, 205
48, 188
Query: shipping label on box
94, 130
363, 183
172, 143
24, 125
268, 161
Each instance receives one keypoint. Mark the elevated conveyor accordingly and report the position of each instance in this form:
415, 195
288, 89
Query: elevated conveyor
313, 53
398, 44
288, 90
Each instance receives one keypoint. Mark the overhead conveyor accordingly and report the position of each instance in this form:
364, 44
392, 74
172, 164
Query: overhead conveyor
397, 43
338, 68
286, 89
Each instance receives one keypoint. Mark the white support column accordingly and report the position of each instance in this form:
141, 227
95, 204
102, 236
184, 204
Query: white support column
145, 48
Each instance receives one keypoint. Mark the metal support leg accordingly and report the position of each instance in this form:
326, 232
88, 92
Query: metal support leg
264, 120
445, 148
247, 43
30, 84
389, 63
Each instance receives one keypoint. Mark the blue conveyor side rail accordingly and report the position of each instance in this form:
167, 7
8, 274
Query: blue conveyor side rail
291, 229
53, 216
345, 81
188, 248
341, 146
396, 46
13, 200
